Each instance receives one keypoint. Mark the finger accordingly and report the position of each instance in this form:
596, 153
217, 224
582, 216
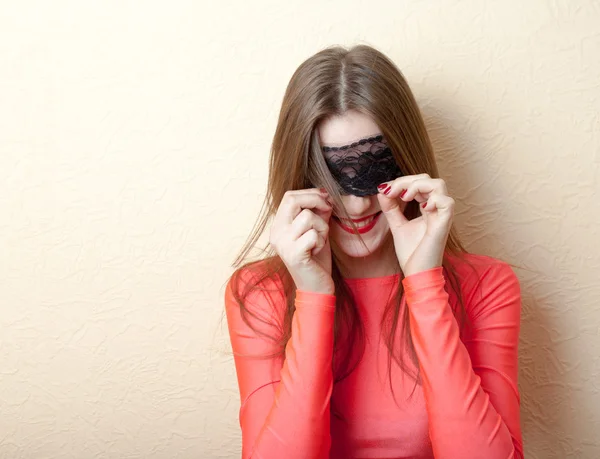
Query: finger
392, 211
319, 220
325, 215
394, 187
418, 190
442, 203
388, 195
293, 203
307, 220
309, 241
324, 249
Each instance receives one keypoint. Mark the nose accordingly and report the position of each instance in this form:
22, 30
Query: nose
358, 206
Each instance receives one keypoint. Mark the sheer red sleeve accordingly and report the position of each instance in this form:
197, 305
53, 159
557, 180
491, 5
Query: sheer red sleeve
284, 402
470, 386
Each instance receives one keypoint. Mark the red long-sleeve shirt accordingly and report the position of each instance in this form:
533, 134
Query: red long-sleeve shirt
467, 406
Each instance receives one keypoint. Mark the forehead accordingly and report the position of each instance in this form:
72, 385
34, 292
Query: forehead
344, 129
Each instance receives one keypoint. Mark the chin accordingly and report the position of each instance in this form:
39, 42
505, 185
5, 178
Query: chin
349, 243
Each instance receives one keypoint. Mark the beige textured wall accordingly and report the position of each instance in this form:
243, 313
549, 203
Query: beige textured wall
133, 149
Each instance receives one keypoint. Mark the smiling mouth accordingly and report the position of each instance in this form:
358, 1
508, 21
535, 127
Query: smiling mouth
363, 225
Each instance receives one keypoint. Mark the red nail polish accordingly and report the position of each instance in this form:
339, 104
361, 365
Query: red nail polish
387, 190
323, 190
424, 205
403, 193
382, 186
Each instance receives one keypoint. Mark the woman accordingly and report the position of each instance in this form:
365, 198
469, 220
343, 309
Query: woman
368, 331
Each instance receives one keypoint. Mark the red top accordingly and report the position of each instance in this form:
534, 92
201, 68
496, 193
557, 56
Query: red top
467, 406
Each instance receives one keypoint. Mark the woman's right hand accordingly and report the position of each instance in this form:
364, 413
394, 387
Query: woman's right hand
300, 236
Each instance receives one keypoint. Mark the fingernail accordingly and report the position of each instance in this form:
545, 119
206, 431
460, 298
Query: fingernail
323, 190
382, 186
387, 190
403, 193
424, 205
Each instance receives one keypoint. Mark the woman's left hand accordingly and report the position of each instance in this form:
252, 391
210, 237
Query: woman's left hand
419, 243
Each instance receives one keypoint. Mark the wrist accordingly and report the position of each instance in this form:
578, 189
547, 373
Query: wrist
322, 286
419, 269
318, 290
423, 280
323, 300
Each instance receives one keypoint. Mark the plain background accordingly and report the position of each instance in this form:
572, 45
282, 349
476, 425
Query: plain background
134, 140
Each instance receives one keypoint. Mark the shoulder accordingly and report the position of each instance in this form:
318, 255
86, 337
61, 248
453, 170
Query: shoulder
486, 283
477, 268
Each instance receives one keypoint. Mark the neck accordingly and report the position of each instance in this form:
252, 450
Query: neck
382, 262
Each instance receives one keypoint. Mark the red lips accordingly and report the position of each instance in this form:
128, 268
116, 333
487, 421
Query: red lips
362, 229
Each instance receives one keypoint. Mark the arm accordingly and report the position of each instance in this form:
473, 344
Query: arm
284, 403
470, 388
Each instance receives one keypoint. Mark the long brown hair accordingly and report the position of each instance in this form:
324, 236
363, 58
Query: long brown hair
329, 83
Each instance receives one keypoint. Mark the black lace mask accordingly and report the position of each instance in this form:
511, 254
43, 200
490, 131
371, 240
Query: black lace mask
362, 165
